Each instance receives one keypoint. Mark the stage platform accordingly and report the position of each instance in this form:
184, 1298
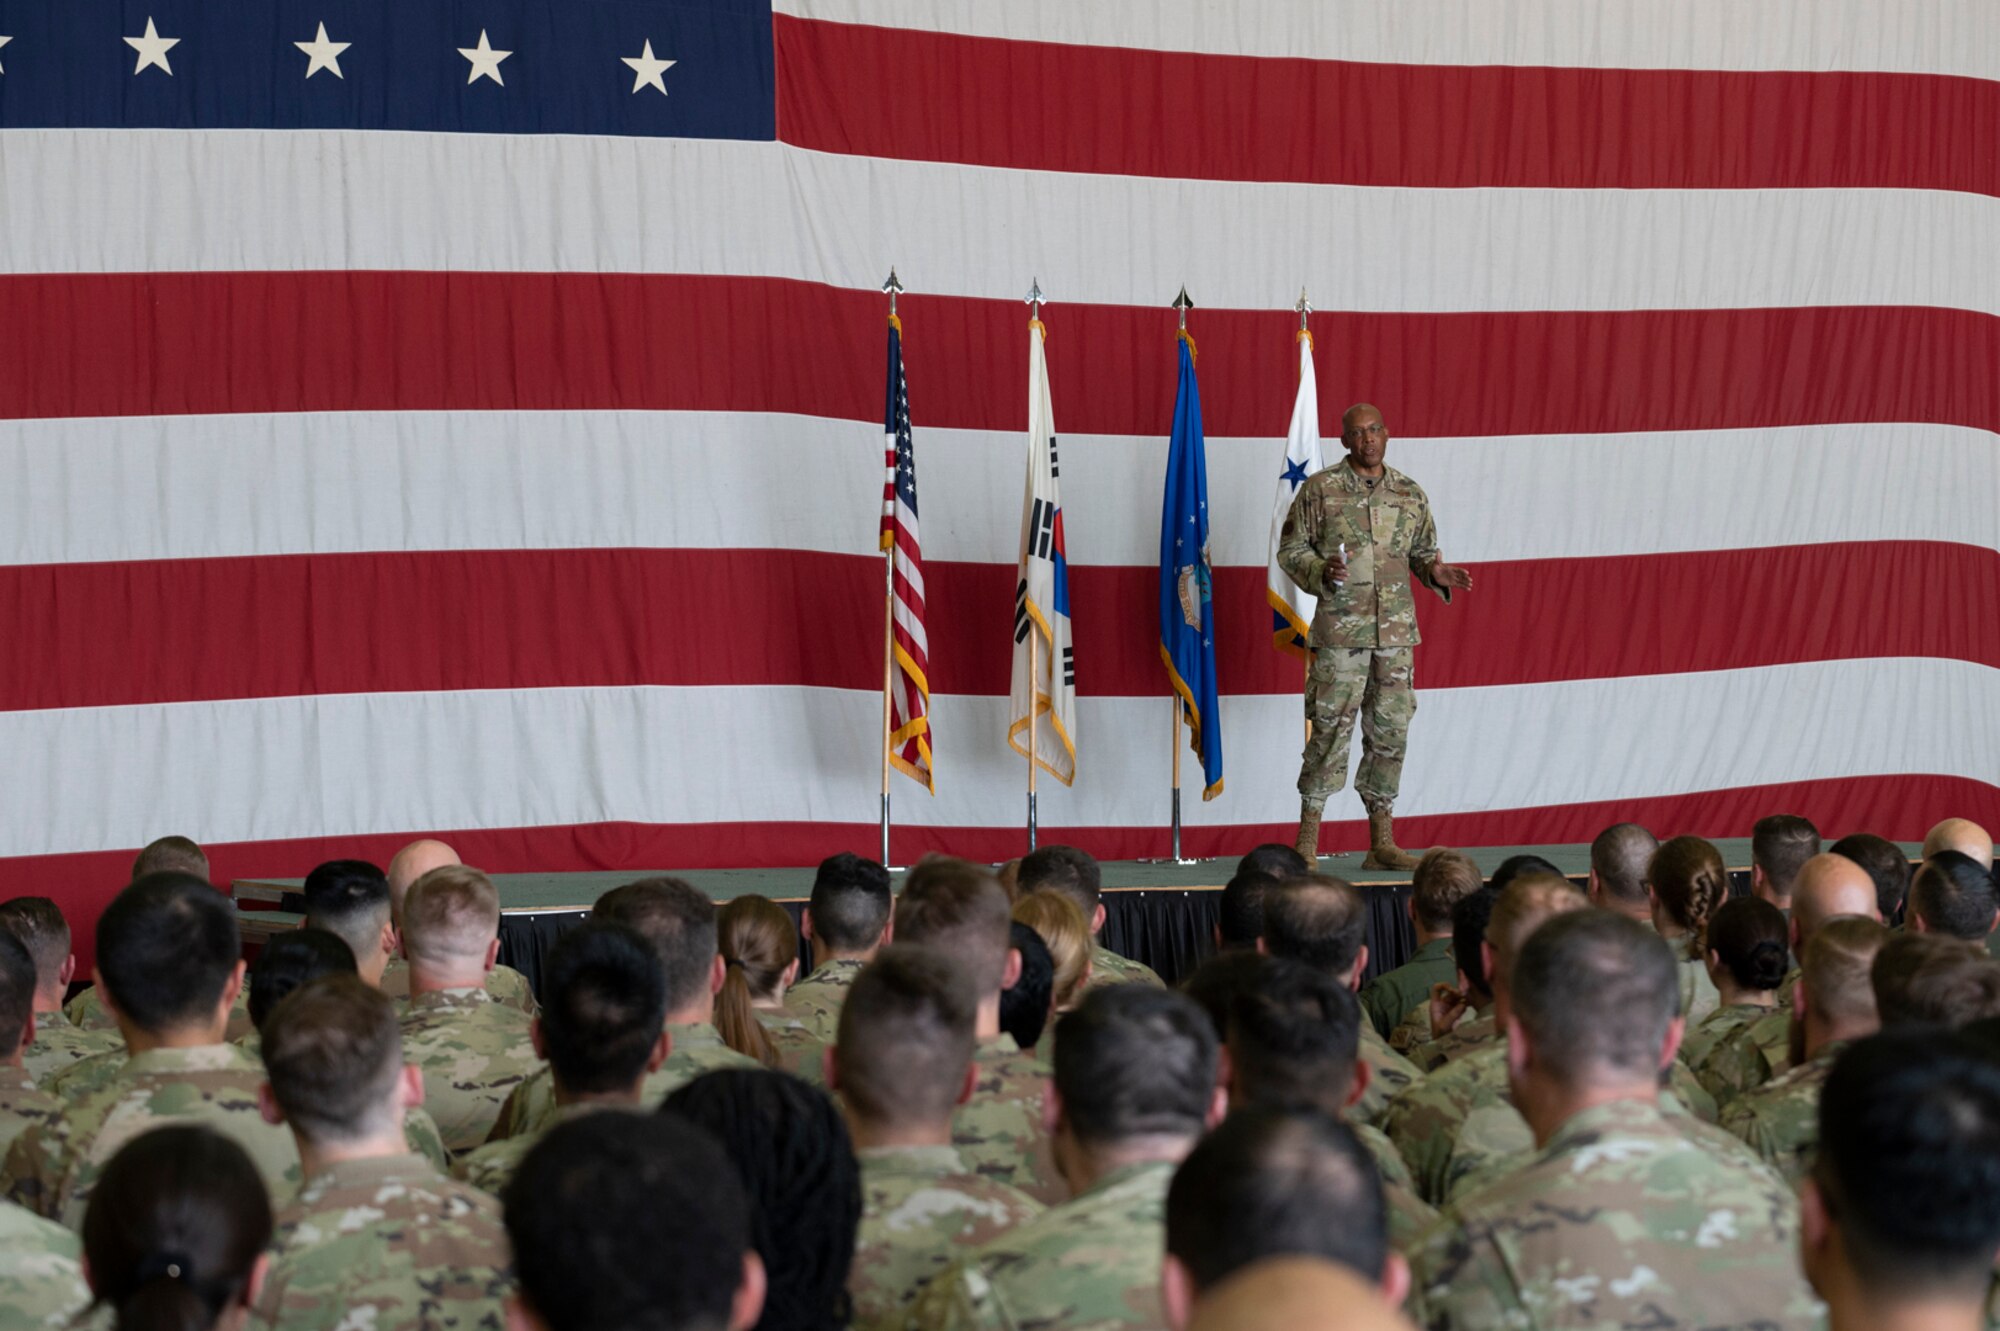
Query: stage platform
1160, 913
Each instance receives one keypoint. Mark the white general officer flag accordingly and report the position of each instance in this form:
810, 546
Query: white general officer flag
1291, 608
1044, 682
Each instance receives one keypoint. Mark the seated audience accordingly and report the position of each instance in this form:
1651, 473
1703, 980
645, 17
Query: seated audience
1067, 870
602, 1032
792, 1151
1274, 1183
1442, 879
1748, 956
350, 899
848, 918
1934, 980
175, 1238
21, 1102
472, 1050
1276, 859
1687, 883
1455, 1019
1135, 1088
1619, 859
901, 1065
1239, 913
169, 965
1832, 1005
760, 957
1953, 894
1514, 866
1962, 835
1884, 861
1898, 1226
167, 854
38, 924
1063, 930
412, 862
1621, 1219
376, 1237
632, 1222
1027, 1004
1294, 1294
678, 920
1780, 845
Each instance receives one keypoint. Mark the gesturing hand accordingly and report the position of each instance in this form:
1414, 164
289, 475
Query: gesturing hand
1446, 1007
1450, 575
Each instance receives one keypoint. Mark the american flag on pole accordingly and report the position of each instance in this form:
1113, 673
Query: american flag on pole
909, 735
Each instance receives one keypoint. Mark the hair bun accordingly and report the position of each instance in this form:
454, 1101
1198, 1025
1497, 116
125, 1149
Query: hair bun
1768, 962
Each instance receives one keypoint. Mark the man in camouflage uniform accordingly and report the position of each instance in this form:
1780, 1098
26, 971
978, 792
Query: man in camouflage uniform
1135, 1079
847, 920
38, 924
678, 920
1464, 1012
1357, 532
900, 1066
960, 910
602, 1031
169, 961
376, 1237
1835, 1005
1620, 1219
1443, 879
1075, 875
472, 1051
41, 1272
412, 862
21, 1104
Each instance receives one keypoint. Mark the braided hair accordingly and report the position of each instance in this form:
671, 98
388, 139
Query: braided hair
1688, 877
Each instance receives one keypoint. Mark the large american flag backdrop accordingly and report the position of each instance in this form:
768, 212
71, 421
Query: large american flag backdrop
476, 428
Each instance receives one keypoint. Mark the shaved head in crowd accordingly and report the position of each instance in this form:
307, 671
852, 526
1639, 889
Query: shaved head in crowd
1964, 836
1618, 860
1828, 887
413, 862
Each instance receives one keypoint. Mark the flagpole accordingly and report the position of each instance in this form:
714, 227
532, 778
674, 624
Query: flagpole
892, 287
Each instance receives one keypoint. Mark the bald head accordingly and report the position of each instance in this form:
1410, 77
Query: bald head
1962, 835
413, 862
1295, 1294
1830, 886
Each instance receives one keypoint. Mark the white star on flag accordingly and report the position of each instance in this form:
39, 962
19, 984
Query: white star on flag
485, 61
325, 54
3, 42
152, 49
646, 70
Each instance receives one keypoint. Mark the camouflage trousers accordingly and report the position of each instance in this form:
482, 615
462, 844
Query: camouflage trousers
1376, 684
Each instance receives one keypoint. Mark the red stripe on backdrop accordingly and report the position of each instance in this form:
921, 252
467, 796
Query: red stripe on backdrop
168, 344
1900, 807
190, 630
996, 102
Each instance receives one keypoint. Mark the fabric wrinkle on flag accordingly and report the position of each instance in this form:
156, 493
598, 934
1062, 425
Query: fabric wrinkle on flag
1292, 606
1187, 585
1044, 678
909, 736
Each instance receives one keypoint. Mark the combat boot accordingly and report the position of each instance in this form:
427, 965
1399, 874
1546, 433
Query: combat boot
1382, 851
1308, 842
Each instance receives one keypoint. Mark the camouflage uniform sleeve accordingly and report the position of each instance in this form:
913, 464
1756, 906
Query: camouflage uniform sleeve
1298, 552
959, 1298
31, 1174
1424, 548
1458, 1282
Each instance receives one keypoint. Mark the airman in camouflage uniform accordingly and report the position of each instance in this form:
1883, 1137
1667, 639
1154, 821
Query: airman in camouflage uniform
999, 1131
800, 1052
920, 1209
1365, 630
1748, 1056
1621, 1221
41, 1272
1704, 1036
473, 1053
22, 1104
1780, 1119
58, 1043
1108, 967
53, 1167
1465, 1038
1409, 1214
87, 1012
696, 1048
390, 1244
816, 999
1386, 998
492, 1166
1389, 1075
78, 1079
507, 985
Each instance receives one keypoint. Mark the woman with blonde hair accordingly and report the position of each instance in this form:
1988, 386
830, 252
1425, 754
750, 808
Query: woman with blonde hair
1061, 925
760, 951
1687, 885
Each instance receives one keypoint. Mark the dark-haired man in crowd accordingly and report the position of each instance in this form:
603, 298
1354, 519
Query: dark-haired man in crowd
1952, 894
376, 1237
1134, 1090
848, 919
1239, 915
1618, 861
1075, 875
1621, 1219
21, 1102
1276, 859
1274, 1183
170, 966
412, 862
902, 1063
1884, 862
1934, 980
602, 1032
1898, 1226
1443, 879
1780, 845
39, 925
350, 899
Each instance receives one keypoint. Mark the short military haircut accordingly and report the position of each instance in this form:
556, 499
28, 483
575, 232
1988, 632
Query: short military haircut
1934, 979
1523, 906
1024, 1009
1837, 969
1752, 940
961, 910
166, 947
38, 923
1240, 911
1953, 894
1274, 1182
850, 903
1063, 869
1780, 845
451, 914
1444, 877
604, 999
1515, 865
1276, 859
906, 1037
1215, 984
1619, 857
629, 1222
1135, 1061
1317, 919
1469, 919
678, 919
17, 993
1293, 1040
349, 898
1884, 861
171, 854
332, 1050
1909, 1163
1596, 992
293, 958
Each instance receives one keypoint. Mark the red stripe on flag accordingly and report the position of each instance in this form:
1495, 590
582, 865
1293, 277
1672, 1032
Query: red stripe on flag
997, 102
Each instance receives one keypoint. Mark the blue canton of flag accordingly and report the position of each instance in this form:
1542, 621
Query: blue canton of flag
1187, 601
